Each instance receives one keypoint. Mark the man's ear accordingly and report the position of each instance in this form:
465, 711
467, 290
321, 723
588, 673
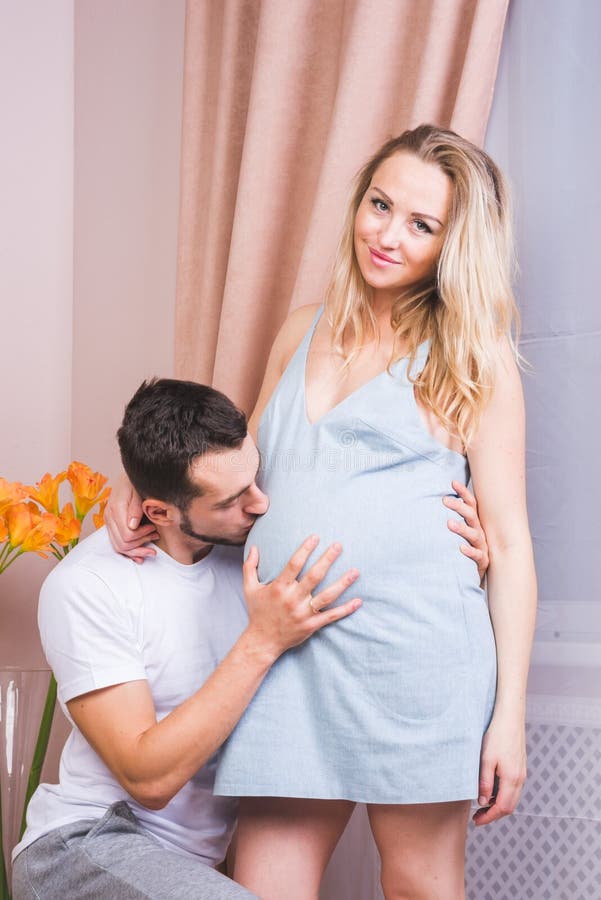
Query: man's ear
160, 513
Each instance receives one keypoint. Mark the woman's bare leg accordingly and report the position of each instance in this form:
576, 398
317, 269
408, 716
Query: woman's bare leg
283, 845
422, 848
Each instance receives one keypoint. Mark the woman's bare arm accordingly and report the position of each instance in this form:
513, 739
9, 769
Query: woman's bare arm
497, 463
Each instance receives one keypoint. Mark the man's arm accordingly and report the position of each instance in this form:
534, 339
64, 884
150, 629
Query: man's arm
153, 760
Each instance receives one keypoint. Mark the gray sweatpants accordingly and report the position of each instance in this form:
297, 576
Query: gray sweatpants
114, 858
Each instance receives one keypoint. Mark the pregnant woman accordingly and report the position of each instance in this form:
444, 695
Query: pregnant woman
404, 380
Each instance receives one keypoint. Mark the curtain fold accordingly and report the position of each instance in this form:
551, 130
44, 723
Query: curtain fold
282, 104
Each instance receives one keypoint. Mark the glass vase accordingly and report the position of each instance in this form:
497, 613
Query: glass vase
23, 694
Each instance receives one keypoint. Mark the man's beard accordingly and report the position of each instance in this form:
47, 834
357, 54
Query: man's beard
186, 528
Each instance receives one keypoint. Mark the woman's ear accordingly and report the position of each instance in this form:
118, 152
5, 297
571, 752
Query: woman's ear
160, 513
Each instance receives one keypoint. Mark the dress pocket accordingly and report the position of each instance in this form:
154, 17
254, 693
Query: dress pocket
416, 669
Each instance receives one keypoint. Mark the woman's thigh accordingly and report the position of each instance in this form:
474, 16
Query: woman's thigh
283, 845
422, 848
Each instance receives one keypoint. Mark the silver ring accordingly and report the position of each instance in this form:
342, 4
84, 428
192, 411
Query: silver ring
315, 611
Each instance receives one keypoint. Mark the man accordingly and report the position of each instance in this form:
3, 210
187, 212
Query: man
155, 664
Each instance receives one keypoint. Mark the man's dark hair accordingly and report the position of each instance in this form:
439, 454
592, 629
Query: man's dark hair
166, 425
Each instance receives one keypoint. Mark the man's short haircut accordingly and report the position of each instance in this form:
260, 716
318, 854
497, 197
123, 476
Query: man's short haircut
166, 425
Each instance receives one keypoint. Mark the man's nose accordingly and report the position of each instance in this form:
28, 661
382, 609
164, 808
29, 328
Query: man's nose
258, 502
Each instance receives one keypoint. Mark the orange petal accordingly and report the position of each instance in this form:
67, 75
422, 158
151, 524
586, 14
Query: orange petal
20, 522
46, 491
41, 536
68, 526
11, 492
86, 486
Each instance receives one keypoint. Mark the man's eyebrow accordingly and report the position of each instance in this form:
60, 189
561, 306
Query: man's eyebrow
418, 215
233, 497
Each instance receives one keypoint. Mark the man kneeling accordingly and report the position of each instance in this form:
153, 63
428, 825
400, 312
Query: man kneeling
155, 664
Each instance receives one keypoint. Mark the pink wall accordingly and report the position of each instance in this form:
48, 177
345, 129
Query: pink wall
89, 156
36, 275
128, 97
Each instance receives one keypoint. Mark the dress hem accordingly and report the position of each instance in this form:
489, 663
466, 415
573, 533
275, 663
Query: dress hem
350, 795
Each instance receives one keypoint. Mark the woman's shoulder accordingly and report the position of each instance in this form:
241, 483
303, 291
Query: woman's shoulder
292, 332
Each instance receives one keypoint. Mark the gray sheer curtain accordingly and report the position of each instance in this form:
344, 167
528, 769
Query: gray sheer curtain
545, 131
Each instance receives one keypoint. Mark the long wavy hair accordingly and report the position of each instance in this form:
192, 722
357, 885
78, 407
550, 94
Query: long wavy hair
466, 306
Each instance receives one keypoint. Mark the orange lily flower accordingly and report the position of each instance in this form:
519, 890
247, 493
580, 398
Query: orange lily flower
87, 487
11, 492
46, 491
98, 518
29, 529
3, 530
68, 527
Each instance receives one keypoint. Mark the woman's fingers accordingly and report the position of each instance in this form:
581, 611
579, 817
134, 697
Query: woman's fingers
467, 512
503, 804
465, 494
130, 543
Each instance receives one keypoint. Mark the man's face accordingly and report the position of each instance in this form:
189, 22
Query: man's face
231, 500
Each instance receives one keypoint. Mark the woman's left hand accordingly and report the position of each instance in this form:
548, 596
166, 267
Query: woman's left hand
471, 529
502, 769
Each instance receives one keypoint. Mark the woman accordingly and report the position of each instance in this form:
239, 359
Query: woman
405, 381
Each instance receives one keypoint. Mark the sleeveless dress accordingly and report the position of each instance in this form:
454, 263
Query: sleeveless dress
388, 705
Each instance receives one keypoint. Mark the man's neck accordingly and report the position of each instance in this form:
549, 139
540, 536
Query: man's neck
182, 550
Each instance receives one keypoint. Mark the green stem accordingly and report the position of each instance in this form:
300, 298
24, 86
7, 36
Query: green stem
6, 562
6, 551
4, 890
41, 746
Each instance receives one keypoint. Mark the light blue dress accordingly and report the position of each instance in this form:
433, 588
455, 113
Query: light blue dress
390, 704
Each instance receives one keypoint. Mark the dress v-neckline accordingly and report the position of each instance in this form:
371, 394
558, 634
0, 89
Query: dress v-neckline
387, 371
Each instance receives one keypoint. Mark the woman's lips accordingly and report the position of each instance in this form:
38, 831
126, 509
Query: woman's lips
380, 259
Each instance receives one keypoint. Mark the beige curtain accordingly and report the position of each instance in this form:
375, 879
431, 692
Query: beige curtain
283, 101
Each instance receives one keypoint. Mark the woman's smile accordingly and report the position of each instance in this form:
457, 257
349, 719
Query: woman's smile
381, 259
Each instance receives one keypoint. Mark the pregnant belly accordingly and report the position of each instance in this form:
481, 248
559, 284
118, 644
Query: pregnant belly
393, 537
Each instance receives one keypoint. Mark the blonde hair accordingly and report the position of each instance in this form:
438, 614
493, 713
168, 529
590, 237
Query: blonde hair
468, 304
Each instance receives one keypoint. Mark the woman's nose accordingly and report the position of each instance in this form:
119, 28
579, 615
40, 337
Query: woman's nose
391, 233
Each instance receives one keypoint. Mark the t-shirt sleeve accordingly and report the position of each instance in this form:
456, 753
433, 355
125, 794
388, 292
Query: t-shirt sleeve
88, 633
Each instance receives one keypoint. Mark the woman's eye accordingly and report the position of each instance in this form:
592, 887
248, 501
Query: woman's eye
421, 226
380, 205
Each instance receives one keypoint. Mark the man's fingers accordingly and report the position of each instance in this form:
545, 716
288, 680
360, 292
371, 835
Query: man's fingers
319, 570
337, 612
295, 564
333, 591
250, 578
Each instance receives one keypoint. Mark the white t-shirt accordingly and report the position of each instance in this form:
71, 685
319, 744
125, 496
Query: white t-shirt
105, 620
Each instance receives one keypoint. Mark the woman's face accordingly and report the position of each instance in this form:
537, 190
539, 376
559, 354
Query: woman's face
400, 224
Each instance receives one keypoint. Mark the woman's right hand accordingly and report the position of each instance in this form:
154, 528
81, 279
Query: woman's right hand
122, 518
